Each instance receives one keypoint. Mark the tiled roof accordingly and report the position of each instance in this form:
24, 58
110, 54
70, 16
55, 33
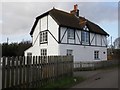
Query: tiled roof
70, 20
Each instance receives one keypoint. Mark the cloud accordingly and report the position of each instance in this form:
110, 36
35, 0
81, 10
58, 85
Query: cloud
104, 11
18, 17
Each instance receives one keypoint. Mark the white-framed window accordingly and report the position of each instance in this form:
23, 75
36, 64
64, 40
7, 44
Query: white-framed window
85, 37
43, 36
96, 55
44, 55
29, 54
69, 52
43, 52
71, 34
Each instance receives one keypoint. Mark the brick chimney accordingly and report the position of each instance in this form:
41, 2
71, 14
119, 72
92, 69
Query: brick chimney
75, 11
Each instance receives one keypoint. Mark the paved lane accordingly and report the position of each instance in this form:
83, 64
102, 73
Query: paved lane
102, 79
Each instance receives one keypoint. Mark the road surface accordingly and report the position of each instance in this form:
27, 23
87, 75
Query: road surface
107, 78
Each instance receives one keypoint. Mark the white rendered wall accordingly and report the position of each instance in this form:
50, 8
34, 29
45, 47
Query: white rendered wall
78, 38
34, 50
92, 38
104, 40
52, 43
43, 25
98, 40
53, 27
63, 32
101, 40
83, 53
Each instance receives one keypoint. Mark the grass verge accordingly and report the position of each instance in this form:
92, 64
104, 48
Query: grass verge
66, 82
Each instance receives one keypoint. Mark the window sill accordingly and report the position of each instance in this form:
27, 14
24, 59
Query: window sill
71, 38
43, 42
97, 59
85, 43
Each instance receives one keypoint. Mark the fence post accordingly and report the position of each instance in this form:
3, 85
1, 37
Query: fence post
8, 72
20, 71
72, 65
80, 65
24, 73
12, 72
3, 72
57, 67
36, 71
28, 71
38, 67
16, 71
33, 71
0, 72
53, 68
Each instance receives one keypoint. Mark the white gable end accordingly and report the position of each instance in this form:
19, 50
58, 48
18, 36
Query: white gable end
43, 25
53, 27
35, 37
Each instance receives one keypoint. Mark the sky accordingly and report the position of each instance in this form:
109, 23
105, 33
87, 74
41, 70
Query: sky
17, 18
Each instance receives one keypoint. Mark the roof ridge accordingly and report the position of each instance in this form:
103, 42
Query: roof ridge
61, 11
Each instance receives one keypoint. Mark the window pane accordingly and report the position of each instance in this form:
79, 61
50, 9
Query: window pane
43, 36
43, 52
46, 36
71, 34
40, 37
85, 37
96, 54
69, 52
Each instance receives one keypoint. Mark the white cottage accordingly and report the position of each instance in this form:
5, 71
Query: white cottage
58, 32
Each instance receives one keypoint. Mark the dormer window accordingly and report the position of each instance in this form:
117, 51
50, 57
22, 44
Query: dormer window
71, 34
85, 37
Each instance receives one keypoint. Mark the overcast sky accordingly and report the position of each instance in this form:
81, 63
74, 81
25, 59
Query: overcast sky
18, 17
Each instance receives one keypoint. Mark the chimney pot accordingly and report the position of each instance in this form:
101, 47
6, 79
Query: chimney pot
75, 11
75, 7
